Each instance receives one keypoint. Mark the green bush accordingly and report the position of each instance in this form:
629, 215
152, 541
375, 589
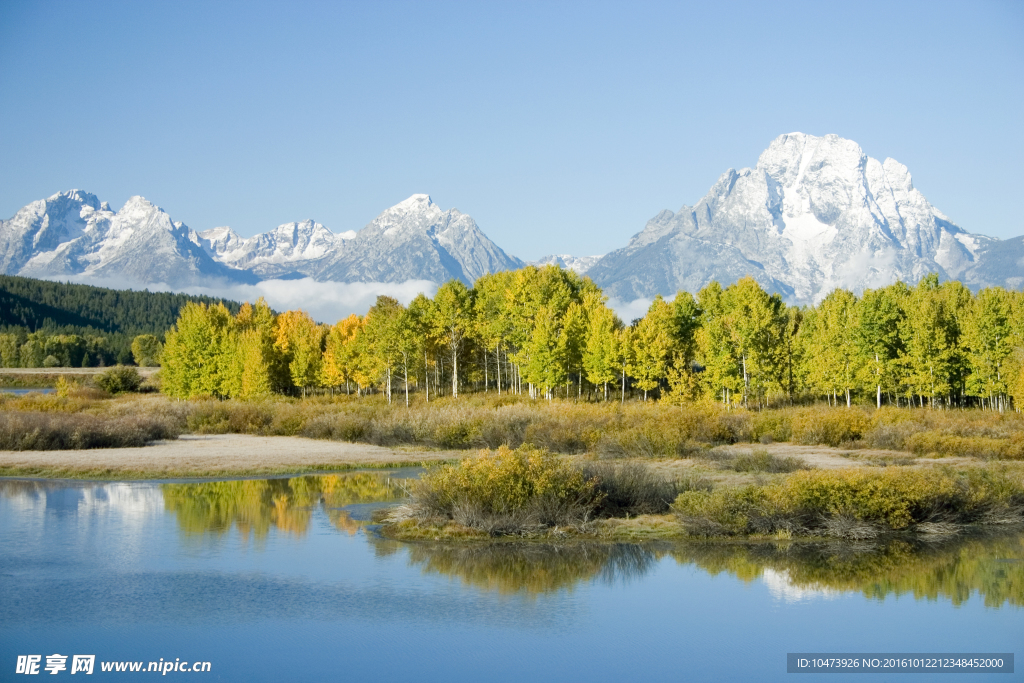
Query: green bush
119, 379
510, 492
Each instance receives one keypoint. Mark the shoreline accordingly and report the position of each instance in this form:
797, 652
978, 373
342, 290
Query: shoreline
206, 456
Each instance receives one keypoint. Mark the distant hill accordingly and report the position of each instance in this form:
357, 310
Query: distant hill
82, 309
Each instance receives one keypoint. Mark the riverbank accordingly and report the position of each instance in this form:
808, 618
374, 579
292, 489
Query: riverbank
530, 494
213, 455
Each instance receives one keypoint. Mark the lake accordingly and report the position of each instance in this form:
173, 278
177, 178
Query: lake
23, 392
284, 580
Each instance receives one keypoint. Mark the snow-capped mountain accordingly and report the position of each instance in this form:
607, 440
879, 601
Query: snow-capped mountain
288, 249
72, 234
816, 213
415, 239
578, 264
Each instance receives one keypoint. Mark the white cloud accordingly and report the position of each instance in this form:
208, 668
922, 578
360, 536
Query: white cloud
628, 311
327, 302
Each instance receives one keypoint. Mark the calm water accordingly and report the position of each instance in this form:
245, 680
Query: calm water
281, 580
23, 392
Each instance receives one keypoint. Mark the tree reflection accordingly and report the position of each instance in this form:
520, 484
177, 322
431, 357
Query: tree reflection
255, 506
533, 568
953, 570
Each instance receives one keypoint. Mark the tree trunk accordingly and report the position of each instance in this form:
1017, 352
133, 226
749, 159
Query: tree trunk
455, 374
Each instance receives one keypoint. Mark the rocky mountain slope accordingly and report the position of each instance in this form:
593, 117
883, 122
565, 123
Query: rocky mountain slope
72, 234
579, 264
816, 213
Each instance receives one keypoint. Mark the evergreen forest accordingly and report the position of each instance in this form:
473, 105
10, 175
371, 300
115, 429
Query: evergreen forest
54, 324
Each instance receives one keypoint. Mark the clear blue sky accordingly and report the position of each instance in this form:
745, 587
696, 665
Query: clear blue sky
560, 127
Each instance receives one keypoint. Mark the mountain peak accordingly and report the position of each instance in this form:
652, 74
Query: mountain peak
816, 213
413, 203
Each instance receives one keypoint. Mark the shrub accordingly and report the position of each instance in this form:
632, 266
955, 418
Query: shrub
507, 426
118, 379
513, 491
829, 426
342, 427
761, 460
59, 431
941, 445
64, 387
630, 489
772, 425
854, 503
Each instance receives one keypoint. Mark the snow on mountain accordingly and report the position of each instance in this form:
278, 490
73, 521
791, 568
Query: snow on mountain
816, 213
578, 264
288, 249
72, 234
416, 240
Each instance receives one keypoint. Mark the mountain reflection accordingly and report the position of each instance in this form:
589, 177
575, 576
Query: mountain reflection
953, 570
257, 505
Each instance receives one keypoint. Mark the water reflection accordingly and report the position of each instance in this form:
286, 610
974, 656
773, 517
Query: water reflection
532, 568
953, 570
255, 506
950, 570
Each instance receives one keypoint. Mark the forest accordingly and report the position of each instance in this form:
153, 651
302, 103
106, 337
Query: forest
548, 333
56, 324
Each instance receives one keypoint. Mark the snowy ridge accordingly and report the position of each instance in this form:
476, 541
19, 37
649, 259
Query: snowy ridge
816, 213
72, 234
813, 214
577, 264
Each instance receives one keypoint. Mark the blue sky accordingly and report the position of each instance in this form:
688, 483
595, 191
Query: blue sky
560, 127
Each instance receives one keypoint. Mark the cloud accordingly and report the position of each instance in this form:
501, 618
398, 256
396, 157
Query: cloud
628, 311
327, 302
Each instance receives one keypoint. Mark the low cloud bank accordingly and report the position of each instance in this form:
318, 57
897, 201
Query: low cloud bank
628, 311
327, 302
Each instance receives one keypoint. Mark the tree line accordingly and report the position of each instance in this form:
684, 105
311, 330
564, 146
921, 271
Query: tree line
55, 324
547, 332
66, 348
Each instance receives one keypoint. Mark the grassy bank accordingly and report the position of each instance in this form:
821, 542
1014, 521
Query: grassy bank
531, 493
608, 430
163, 473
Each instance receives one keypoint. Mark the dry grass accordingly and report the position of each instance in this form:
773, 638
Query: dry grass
859, 504
24, 431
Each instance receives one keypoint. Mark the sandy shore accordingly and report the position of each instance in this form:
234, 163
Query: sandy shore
214, 454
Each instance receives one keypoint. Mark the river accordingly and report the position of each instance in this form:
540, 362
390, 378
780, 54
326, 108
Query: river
285, 580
